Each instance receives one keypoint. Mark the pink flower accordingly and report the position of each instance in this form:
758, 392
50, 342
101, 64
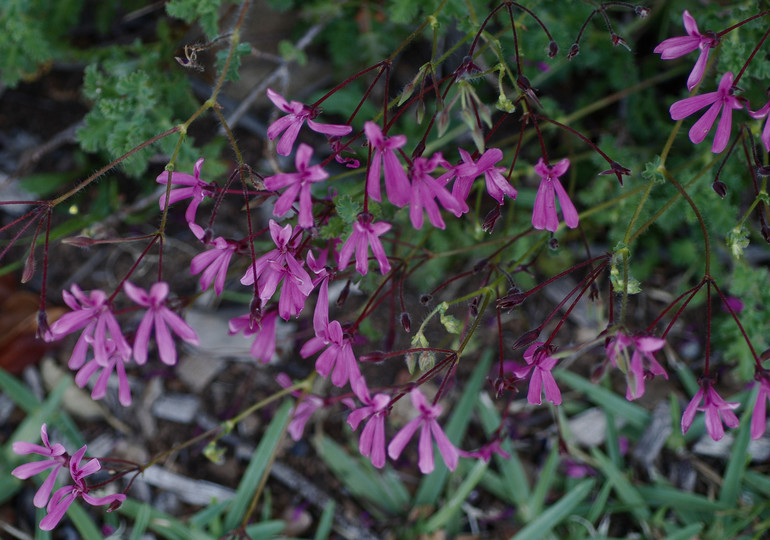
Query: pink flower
764, 112
679, 46
758, 415
290, 125
633, 367
114, 362
371, 444
66, 495
428, 426
197, 191
162, 319
365, 233
297, 183
212, 264
497, 185
721, 100
487, 451
310, 403
338, 358
396, 182
717, 411
263, 347
425, 191
93, 314
278, 265
57, 458
544, 213
539, 366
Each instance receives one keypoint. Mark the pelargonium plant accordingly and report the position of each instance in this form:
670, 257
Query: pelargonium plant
529, 208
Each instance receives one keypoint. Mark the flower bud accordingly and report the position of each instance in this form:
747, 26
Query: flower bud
491, 219
553, 243
527, 339
425, 299
513, 298
574, 50
720, 188
553, 49
374, 357
343, 294
641, 11
406, 322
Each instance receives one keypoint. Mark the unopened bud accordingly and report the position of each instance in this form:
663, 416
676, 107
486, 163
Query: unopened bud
574, 50
765, 230
29, 266
255, 311
473, 307
553, 243
764, 170
641, 11
79, 241
43, 329
479, 266
553, 49
343, 294
491, 219
406, 322
374, 357
513, 298
114, 505
720, 188
411, 362
527, 339
598, 372
426, 360
425, 299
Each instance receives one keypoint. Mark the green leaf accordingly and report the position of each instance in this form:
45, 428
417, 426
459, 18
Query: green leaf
739, 458
626, 492
206, 12
258, 465
451, 507
18, 392
234, 70
347, 208
324, 528
83, 523
542, 525
545, 481
141, 521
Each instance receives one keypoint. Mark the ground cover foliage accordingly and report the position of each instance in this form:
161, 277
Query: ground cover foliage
341, 269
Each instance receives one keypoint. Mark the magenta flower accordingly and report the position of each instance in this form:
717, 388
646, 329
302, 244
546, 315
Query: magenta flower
197, 190
365, 233
468, 171
764, 112
115, 362
278, 265
759, 414
66, 495
212, 264
717, 411
539, 366
721, 100
428, 426
93, 314
57, 458
371, 444
160, 318
487, 451
338, 358
633, 367
679, 46
544, 213
425, 191
298, 113
263, 346
396, 182
298, 183
310, 403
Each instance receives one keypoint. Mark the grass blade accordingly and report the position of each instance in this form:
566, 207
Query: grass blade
543, 524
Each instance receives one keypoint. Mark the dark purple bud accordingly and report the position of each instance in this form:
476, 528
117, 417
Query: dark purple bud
553, 49
374, 357
720, 188
343, 294
553, 243
763, 170
208, 236
479, 266
419, 149
593, 293
514, 297
467, 68
425, 299
574, 50
765, 355
114, 505
527, 339
641, 11
598, 372
43, 329
29, 266
617, 40
765, 230
406, 322
491, 219
79, 241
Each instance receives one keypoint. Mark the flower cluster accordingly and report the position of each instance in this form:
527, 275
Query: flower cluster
56, 504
